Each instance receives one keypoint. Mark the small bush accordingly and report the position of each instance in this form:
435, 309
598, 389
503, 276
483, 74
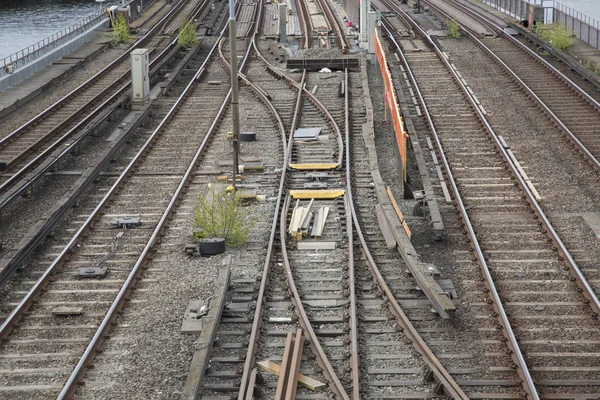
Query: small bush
219, 213
453, 29
121, 30
557, 35
187, 35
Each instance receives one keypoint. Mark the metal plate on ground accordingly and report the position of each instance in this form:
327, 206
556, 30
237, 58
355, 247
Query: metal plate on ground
307, 133
92, 272
127, 221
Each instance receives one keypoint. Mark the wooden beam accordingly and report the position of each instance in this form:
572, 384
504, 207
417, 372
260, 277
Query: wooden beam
285, 366
292, 384
317, 194
385, 227
303, 380
320, 166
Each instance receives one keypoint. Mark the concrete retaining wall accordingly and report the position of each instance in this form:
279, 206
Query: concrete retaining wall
28, 70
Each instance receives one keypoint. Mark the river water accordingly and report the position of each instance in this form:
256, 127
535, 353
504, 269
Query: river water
24, 22
590, 8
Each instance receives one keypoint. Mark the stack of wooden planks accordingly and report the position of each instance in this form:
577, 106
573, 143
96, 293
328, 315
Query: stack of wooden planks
307, 219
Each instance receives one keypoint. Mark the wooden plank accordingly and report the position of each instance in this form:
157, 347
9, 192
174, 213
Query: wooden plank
398, 212
446, 192
316, 166
503, 142
385, 227
295, 366
317, 194
294, 211
285, 366
317, 224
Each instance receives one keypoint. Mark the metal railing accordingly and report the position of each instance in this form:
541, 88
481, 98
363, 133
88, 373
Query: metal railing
584, 27
576, 15
30, 53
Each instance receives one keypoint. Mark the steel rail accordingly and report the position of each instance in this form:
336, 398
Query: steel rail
340, 38
440, 373
305, 24
91, 80
322, 359
106, 325
581, 280
43, 281
335, 383
313, 100
19, 257
349, 204
4, 187
516, 353
44, 154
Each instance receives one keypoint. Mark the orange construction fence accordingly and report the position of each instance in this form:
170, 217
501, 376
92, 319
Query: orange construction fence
391, 102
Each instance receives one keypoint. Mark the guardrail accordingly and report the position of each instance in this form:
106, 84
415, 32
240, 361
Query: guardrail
22, 57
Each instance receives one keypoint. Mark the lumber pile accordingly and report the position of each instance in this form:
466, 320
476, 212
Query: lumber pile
307, 221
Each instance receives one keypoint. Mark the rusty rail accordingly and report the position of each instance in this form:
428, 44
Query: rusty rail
14, 179
440, 374
572, 137
340, 38
516, 353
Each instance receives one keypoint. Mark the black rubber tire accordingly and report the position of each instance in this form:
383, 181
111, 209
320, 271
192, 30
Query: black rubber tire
211, 247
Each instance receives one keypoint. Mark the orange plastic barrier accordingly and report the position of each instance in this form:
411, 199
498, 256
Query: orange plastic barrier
391, 102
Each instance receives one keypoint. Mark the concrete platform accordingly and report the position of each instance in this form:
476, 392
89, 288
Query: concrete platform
28, 89
15, 96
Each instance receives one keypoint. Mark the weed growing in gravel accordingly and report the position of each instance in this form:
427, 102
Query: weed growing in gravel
453, 29
121, 30
556, 34
187, 38
219, 213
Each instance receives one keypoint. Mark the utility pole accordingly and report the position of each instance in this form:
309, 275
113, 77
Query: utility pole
234, 89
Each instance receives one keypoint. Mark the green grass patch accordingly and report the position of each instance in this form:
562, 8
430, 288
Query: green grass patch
453, 29
219, 213
187, 37
121, 30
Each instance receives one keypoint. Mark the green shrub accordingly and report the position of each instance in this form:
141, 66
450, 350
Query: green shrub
121, 30
219, 213
187, 36
557, 35
453, 29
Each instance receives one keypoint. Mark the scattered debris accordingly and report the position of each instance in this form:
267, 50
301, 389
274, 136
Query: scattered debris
192, 319
303, 380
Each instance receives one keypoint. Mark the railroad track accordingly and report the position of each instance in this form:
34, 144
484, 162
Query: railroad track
574, 111
307, 292
317, 17
62, 187
147, 189
22, 150
515, 245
